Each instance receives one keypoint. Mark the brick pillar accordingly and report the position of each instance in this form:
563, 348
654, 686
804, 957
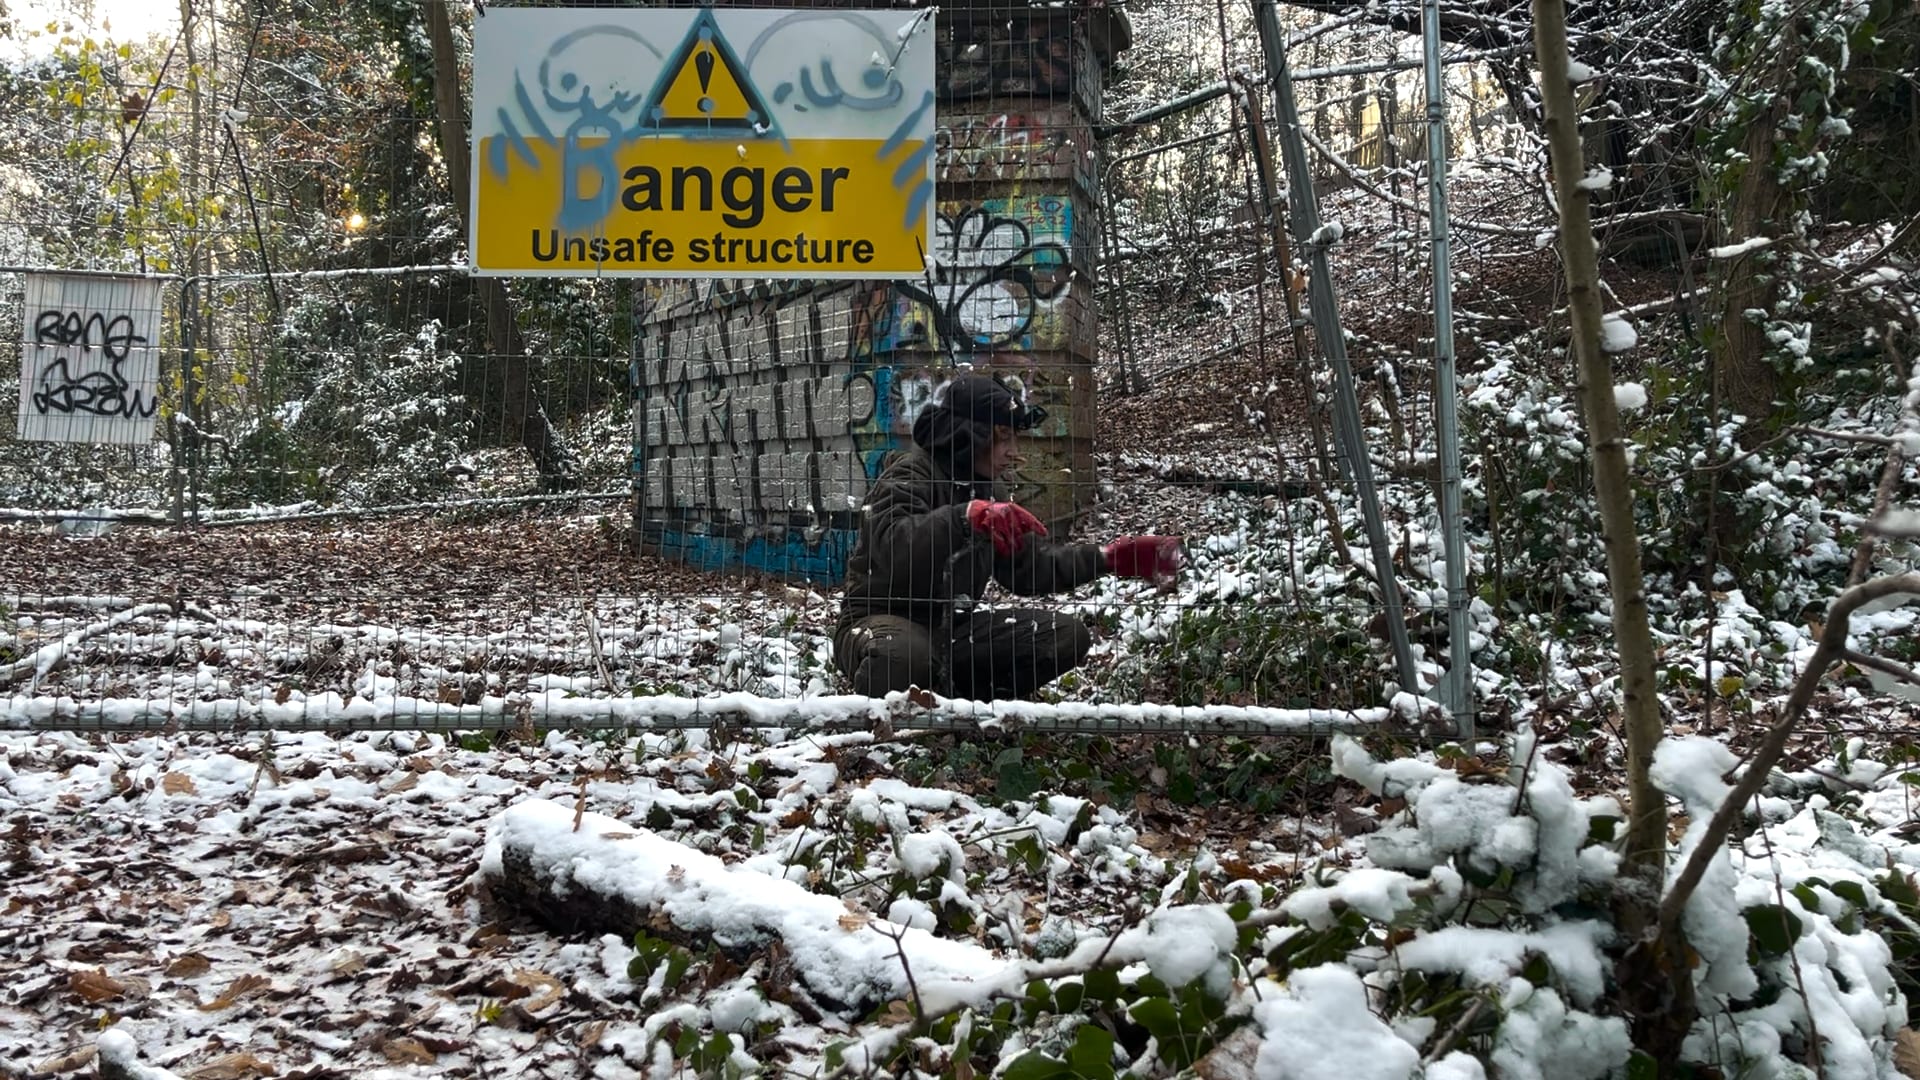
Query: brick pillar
764, 409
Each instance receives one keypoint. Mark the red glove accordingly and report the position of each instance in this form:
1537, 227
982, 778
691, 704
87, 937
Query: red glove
1153, 558
1007, 523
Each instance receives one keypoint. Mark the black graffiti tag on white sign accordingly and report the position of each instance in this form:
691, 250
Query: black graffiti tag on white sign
89, 372
101, 393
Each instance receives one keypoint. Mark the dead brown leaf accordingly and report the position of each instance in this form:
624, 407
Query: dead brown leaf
1232, 1059
96, 986
220, 920
852, 921
178, 784
545, 988
406, 1051
240, 1066
65, 1063
243, 987
1906, 1052
187, 965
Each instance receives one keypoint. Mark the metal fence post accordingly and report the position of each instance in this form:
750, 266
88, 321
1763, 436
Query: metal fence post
1456, 687
1305, 214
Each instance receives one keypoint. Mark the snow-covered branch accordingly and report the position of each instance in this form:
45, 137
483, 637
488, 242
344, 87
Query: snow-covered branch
42, 660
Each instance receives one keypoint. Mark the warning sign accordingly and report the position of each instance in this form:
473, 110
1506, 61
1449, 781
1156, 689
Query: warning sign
703, 88
702, 143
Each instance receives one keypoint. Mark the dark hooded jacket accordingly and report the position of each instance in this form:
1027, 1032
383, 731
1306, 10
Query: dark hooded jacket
917, 556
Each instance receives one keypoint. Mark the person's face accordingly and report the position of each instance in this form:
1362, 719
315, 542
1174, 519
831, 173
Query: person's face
1001, 457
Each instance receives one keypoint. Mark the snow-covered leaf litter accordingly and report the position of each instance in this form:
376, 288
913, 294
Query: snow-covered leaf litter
382, 834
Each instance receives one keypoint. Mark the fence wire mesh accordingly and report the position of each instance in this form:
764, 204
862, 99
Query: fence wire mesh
381, 491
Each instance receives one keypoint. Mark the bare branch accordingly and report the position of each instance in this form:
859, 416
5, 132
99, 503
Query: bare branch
1884, 666
1832, 647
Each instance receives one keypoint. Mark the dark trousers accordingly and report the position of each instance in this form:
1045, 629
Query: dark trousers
992, 655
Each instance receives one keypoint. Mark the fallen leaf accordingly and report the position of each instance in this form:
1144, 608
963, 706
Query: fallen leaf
241, 1066
68, 1062
549, 988
244, 986
96, 986
853, 922
1232, 1059
178, 784
1906, 1053
406, 1051
187, 965
220, 920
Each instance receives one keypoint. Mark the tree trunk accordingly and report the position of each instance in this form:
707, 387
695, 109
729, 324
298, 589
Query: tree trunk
1743, 377
1659, 1024
508, 359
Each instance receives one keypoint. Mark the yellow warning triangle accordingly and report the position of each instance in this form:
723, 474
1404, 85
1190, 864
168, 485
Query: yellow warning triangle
703, 86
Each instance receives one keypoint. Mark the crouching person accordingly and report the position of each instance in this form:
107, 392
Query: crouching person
937, 529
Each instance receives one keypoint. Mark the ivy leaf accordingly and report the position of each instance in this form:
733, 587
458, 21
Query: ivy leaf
1851, 891
1034, 1065
1774, 928
1159, 1017
1092, 1053
1102, 985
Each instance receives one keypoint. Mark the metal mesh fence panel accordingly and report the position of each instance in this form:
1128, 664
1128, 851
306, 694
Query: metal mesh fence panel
381, 490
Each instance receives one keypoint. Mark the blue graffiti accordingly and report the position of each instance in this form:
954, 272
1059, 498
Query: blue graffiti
881, 89
820, 558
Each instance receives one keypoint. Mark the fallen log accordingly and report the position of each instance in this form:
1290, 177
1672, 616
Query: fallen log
586, 873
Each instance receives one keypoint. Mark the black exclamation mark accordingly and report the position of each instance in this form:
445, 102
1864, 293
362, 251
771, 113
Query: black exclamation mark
703, 66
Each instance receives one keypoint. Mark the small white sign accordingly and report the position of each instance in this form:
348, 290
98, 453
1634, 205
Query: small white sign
89, 359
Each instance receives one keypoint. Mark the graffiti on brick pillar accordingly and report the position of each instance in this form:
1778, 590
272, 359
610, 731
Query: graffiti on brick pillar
998, 273
1011, 146
754, 405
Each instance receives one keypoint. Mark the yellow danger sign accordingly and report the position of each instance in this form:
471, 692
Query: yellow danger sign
711, 143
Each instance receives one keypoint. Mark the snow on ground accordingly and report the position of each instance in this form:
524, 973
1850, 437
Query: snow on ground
309, 900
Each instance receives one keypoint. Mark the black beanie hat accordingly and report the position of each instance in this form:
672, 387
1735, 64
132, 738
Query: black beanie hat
988, 401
